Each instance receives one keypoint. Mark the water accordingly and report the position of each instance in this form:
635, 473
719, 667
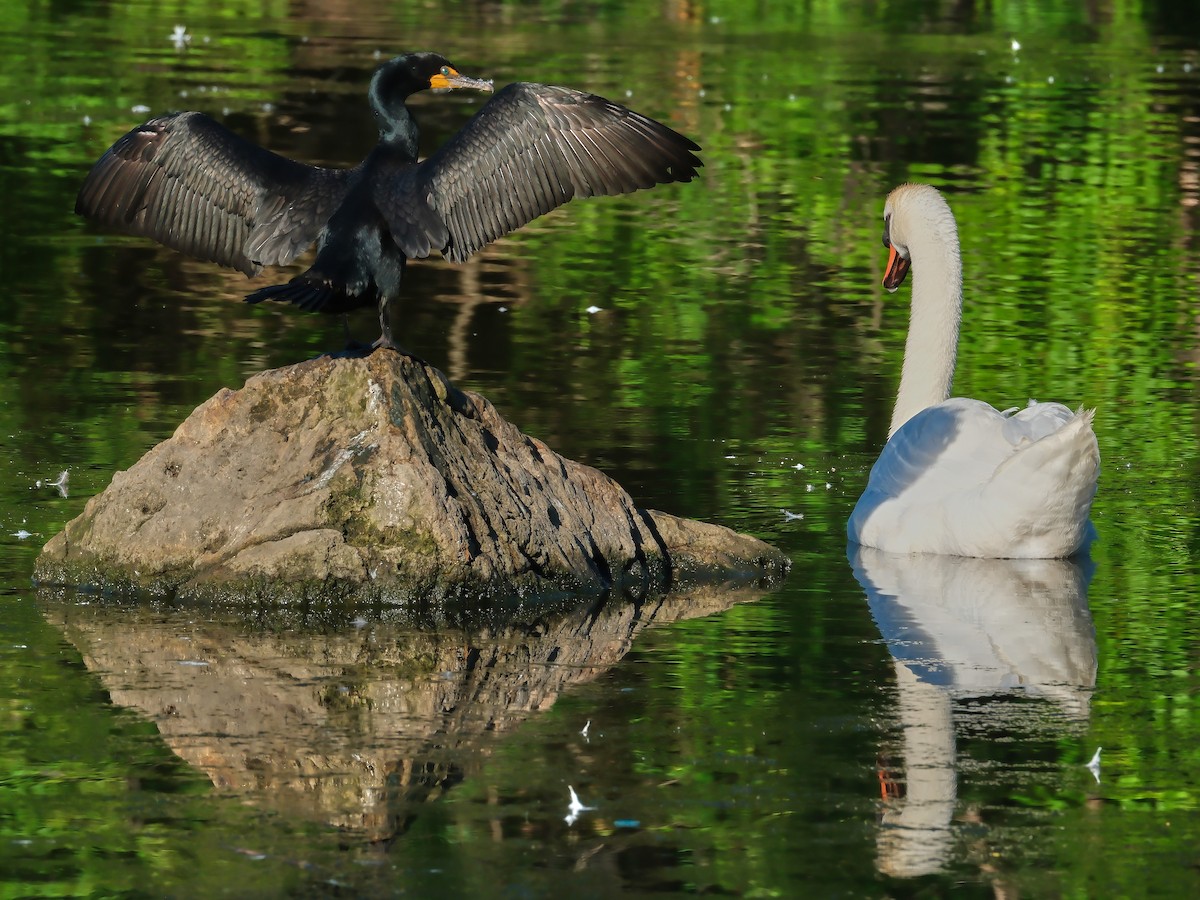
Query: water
779, 744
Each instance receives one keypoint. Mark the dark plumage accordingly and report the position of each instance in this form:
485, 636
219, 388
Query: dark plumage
191, 184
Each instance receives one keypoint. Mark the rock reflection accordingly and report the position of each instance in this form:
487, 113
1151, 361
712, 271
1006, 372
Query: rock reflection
967, 628
347, 721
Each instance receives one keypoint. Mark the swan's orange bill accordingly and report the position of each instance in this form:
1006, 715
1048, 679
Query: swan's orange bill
897, 268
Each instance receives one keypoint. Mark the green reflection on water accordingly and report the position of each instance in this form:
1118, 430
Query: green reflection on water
742, 331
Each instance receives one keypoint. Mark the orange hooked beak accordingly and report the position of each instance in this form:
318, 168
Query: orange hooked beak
897, 268
449, 79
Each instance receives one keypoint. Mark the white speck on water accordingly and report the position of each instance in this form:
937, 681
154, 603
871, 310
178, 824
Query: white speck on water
359, 621
575, 808
808, 487
1187, 67
1016, 45
22, 534
798, 466
61, 483
592, 310
180, 37
199, 663
139, 109
828, 485
1158, 69
1094, 765
584, 730
789, 516
87, 120
1050, 79
268, 107
502, 309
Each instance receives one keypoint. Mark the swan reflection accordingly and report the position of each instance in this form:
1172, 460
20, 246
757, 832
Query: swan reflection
960, 627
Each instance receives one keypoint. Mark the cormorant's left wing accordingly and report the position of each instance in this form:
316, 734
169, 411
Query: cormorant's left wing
530, 149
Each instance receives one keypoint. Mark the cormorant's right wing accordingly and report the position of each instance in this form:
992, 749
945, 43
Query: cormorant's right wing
190, 183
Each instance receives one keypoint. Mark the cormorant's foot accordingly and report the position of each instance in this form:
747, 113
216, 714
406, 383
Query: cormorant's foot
352, 350
384, 342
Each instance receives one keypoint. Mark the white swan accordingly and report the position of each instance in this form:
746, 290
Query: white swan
957, 476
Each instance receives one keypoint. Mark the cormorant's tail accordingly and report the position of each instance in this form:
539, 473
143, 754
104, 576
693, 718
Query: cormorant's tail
305, 291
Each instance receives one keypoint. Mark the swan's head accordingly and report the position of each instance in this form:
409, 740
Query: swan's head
912, 212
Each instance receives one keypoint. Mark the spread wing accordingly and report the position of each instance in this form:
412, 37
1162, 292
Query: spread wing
530, 149
190, 183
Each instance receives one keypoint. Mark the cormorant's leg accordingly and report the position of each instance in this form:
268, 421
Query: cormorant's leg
385, 326
353, 347
385, 337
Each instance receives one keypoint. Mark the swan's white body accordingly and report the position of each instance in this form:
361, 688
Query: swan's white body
957, 476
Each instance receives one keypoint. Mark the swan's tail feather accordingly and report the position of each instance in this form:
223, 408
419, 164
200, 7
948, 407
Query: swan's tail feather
1049, 485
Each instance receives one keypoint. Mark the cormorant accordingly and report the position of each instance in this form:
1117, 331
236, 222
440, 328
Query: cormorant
190, 183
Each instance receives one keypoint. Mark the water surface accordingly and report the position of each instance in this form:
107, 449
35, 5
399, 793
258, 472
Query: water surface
857, 732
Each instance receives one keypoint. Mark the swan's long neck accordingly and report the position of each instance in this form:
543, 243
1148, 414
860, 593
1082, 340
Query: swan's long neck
932, 345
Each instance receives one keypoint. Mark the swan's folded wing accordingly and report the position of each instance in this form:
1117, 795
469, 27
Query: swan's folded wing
943, 449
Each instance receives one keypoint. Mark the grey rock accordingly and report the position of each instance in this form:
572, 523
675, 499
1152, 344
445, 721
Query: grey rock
376, 478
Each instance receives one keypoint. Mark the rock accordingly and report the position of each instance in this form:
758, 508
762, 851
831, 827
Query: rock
375, 478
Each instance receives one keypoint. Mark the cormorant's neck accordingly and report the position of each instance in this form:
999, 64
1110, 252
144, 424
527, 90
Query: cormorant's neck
399, 131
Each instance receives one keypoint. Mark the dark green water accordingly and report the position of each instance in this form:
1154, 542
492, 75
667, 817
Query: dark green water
780, 745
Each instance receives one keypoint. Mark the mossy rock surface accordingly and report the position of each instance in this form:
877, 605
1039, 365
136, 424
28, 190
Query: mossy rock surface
375, 477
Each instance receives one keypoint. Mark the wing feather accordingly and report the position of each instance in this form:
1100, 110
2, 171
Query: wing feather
188, 182
529, 150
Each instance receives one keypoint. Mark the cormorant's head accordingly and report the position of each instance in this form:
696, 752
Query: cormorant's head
399, 78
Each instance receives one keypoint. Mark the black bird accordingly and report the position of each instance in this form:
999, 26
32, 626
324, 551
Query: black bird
190, 183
